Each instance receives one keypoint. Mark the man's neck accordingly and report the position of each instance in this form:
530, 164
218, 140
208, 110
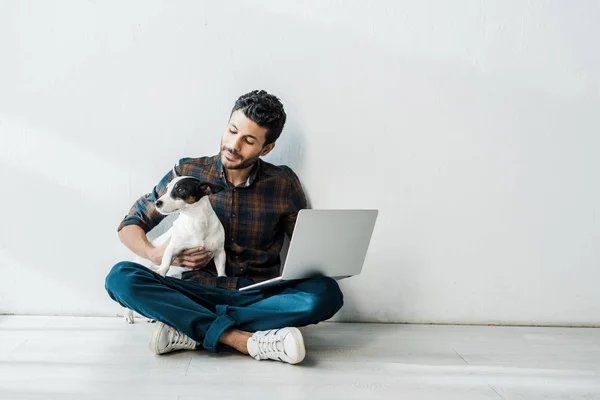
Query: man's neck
238, 176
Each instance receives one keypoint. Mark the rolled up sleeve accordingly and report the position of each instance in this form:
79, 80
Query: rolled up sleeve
143, 213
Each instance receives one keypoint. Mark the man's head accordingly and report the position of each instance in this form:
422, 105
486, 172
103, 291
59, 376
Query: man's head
255, 123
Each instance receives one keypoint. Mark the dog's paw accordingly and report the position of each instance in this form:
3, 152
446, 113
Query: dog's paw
128, 316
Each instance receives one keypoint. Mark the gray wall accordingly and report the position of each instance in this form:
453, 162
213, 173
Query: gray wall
472, 126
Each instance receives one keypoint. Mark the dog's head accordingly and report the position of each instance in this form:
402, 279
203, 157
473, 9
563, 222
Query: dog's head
182, 192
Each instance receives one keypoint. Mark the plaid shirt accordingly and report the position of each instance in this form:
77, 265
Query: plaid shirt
255, 215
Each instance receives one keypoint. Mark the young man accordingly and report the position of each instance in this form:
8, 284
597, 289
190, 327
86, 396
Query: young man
258, 206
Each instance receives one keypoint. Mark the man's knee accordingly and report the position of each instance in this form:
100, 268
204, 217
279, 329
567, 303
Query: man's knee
122, 276
324, 299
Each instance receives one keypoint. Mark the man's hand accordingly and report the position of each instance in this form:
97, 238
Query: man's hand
196, 257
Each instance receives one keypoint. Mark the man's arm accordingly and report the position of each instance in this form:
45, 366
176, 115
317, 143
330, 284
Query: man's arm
142, 217
135, 239
143, 213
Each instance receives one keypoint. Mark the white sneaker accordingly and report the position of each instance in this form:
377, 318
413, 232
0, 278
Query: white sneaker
285, 344
165, 339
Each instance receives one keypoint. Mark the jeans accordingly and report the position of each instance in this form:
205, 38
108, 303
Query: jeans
204, 312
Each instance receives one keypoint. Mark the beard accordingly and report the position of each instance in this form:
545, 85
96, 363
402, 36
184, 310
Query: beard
240, 163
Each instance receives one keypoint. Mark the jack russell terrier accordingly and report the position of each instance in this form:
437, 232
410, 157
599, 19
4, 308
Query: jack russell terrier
197, 225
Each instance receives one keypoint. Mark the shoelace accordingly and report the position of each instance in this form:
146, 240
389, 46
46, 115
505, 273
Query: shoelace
179, 339
269, 345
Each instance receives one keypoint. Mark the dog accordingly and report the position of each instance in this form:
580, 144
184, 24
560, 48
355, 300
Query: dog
196, 225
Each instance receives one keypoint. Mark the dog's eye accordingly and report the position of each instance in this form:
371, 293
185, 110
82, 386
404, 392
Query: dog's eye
180, 190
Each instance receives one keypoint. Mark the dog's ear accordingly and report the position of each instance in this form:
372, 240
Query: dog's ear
206, 189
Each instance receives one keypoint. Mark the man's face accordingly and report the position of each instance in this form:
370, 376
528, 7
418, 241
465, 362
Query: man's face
243, 142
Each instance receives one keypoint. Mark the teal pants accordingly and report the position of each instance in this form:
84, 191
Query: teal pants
204, 312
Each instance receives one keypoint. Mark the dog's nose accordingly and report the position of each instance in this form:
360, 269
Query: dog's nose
158, 203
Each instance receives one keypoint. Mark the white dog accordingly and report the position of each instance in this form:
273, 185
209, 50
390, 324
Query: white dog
197, 225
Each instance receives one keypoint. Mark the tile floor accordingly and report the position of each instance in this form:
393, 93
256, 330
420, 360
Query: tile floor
104, 358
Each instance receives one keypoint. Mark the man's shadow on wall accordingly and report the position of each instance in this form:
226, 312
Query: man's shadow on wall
290, 150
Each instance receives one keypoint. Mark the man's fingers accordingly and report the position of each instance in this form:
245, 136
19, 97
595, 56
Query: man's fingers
193, 250
195, 261
188, 264
177, 262
181, 261
198, 257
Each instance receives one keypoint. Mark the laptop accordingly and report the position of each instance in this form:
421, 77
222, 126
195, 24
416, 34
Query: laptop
333, 243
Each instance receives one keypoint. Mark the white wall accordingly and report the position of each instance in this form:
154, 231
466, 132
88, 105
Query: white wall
473, 126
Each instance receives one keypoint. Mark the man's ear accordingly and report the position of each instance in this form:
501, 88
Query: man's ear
207, 189
267, 149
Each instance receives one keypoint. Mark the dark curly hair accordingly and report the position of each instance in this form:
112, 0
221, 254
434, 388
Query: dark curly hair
265, 110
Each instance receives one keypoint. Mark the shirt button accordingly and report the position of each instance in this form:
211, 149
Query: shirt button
231, 239
233, 215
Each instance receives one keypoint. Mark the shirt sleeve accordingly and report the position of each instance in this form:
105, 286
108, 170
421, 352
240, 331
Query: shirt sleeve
297, 202
143, 213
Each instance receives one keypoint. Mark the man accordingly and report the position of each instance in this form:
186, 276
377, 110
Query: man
258, 206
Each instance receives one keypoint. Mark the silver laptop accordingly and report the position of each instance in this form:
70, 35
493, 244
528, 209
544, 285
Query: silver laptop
333, 243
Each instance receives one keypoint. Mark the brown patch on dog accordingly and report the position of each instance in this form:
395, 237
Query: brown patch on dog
191, 199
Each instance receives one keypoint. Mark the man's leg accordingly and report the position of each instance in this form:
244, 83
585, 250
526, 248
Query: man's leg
211, 315
198, 311
299, 304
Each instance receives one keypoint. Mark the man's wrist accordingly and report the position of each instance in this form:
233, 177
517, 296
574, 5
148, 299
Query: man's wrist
149, 250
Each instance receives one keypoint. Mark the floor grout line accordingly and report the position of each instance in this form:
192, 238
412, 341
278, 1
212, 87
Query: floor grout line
494, 389
460, 356
13, 351
188, 367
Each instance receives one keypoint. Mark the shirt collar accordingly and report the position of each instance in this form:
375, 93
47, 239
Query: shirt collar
251, 177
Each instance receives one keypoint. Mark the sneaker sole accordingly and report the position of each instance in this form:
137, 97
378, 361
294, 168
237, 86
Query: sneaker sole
300, 349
